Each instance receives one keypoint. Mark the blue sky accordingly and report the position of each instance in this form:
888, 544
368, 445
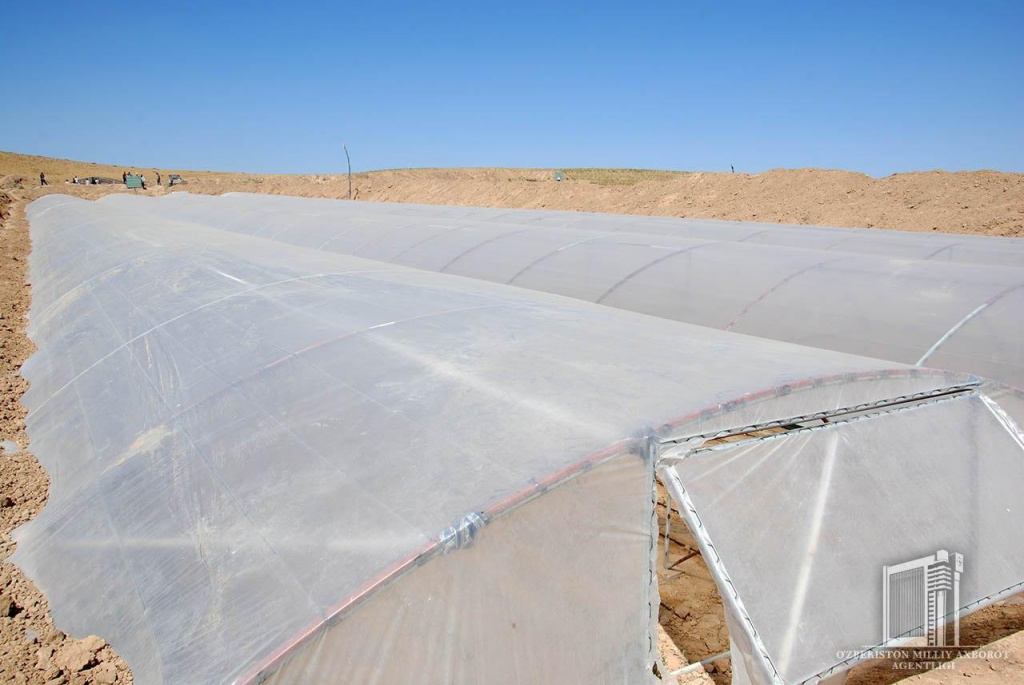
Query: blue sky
877, 87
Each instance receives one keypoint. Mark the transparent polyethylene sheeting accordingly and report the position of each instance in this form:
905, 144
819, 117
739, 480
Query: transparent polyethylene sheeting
251, 444
938, 247
958, 316
815, 515
502, 605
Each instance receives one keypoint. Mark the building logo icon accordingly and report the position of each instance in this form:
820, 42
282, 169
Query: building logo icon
920, 598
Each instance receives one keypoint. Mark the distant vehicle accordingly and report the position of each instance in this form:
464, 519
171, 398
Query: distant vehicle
175, 180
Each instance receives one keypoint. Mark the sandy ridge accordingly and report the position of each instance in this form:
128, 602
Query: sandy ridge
978, 202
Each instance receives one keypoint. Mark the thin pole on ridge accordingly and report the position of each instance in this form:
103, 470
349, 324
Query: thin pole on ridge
349, 160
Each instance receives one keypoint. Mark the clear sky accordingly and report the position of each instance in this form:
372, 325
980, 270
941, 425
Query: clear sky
869, 86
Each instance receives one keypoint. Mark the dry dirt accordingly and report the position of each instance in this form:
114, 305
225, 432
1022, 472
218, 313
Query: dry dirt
991, 203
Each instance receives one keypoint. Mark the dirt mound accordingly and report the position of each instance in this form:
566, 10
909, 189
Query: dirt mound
980, 202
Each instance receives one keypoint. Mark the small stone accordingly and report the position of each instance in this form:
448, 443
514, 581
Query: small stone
6, 606
6, 502
708, 625
104, 673
9, 448
44, 658
721, 665
94, 643
52, 636
73, 657
681, 610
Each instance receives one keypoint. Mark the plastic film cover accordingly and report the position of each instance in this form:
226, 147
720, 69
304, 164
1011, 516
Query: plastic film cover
251, 443
900, 297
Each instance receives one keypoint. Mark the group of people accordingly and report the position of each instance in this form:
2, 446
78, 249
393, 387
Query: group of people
94, 179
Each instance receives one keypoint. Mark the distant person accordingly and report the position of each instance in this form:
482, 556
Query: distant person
142, 178
733, 168
76, 180
124, 177
158, 178
42, 179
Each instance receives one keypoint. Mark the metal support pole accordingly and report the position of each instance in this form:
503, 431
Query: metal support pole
349, 160
703, 662
691, 555
668, 527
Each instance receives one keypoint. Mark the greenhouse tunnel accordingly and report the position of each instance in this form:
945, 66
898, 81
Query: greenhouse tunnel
943, 314
271, 463
938, 247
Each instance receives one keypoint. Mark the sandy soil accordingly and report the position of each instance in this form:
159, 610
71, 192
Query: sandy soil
32, 650
994, 671
998, 658
981, 202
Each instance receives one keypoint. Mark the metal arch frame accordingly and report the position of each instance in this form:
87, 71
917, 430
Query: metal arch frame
683, 447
